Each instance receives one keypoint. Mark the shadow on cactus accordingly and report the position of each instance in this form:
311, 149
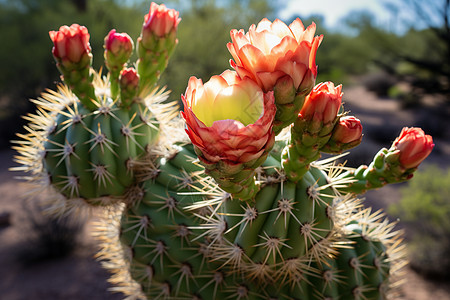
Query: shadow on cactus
230, 201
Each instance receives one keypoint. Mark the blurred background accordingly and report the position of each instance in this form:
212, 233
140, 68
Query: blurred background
392, 56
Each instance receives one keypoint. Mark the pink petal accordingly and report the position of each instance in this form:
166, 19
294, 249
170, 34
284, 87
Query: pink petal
268, 79
264, 24
297, 29
281, 29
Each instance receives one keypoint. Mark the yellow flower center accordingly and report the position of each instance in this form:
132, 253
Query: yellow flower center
230, 103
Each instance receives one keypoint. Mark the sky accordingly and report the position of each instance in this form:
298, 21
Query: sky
332, 10
335, 10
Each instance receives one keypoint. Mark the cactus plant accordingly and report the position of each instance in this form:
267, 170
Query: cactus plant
240, 207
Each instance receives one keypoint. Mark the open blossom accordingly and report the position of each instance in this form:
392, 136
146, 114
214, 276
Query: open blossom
414, 146
160, 20
70, 43
323, 103
229, 119
270, 51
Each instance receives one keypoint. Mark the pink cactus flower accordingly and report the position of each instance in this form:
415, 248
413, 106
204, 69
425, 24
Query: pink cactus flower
70, 43
270, 51
322, 104
229, 119
414, 146
160, 21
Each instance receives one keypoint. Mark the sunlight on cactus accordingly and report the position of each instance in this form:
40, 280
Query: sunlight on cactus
230, 200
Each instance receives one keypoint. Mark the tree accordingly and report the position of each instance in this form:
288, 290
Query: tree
434, 59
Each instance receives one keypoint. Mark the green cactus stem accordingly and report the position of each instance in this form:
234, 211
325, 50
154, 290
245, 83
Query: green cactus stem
289, 101
384, 169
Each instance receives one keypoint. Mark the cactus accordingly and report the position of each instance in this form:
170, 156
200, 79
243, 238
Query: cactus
225, 211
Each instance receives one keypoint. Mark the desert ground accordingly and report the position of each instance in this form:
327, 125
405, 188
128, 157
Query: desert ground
80, 275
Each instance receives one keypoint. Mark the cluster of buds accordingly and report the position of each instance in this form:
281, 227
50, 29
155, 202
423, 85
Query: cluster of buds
72, 53
320, 126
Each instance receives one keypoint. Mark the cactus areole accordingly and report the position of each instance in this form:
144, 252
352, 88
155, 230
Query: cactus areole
230, 200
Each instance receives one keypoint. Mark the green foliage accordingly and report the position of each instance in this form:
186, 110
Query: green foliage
426, 199
425, 205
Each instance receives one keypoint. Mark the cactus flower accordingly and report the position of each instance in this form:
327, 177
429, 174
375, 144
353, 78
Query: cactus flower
322, 104
414, 146
229, 118
70, 43
280, 58
270, 51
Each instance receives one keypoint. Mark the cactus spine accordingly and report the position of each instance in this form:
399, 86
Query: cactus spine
174, 229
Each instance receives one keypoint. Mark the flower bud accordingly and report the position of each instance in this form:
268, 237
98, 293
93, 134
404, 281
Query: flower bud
129, 78
347, 130
414, 146
129, 82
156, 43
70, 43
118, 48
73, 56
322, 104
160, 21
347, 133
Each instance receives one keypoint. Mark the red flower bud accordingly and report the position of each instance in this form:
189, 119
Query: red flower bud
347, 130
118, 44
129, 78
70, 42
160, 20
323, 103
414, 146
